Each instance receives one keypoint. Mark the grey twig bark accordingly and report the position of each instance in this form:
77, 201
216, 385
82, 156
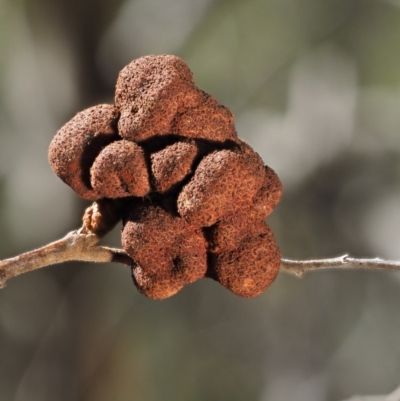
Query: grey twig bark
75, 246
81, 245
101, 217
300, 267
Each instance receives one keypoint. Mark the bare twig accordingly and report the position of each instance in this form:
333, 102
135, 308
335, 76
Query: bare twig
81, 245
300, 267
77, 245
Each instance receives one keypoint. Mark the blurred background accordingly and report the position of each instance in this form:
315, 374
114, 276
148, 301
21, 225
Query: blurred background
315, 89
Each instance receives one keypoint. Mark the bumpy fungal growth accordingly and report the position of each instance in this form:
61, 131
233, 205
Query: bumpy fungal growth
207, 120
168, 252
120, 170
75, 146
227, 233
100, 218
157, 96
223, 182
167, 161
172, 164
251, 267
150, 92
269, 195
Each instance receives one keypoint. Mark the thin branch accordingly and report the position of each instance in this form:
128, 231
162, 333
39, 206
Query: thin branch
81, 245
77, 245
300, 267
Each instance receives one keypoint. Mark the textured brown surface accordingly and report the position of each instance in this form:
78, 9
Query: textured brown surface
228, 232
157, 96
100, 217
149, 92
76, 145
269, 195
251, 267
172, 164
193, 196
168, 252
223, 182
207, 120
120, 170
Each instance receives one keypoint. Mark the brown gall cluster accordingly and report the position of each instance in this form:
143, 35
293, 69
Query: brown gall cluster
191, 195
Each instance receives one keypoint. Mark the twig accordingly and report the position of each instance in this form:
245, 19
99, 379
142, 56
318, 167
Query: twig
300, 267
81, 245
77, 245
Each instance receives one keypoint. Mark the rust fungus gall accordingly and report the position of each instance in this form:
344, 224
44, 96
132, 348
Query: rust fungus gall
269, 194
76, 145
228, 232
149, 92
251, 267
167, 161
120, 170
172, 164
100, 218
206, 120
224, 181
168, 252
